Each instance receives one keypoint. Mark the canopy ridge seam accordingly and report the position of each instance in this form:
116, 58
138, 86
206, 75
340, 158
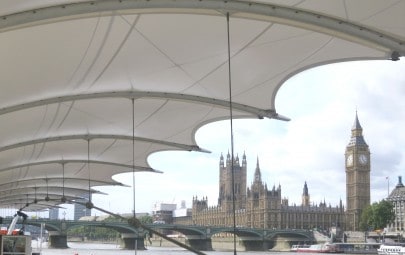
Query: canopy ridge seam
259, 113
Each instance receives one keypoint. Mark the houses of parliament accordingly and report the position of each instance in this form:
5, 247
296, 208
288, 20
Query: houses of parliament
259, 206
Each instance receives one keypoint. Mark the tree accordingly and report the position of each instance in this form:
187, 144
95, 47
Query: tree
147, 219
366, 218
377, 216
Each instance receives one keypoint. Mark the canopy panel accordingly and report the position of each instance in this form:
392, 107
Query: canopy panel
90, 89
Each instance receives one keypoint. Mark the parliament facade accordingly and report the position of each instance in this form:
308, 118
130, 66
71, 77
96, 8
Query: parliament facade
258, 206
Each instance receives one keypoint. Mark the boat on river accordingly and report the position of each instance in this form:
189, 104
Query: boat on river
316, 248
391, 249
357, 248
295, 247
349, 248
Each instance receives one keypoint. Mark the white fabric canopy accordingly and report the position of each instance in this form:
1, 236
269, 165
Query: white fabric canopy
74, 72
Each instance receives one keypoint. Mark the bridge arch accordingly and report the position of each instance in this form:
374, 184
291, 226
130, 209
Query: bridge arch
48, 226
197, 237
271, 235
117, 226
184, 229
240, 232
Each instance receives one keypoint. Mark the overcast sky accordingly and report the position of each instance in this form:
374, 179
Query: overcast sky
322, 104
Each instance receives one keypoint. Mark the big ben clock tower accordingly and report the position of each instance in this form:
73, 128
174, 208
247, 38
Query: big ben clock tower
357, 176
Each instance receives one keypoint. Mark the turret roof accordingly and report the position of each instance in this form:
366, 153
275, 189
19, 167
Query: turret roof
357, 134
398, 194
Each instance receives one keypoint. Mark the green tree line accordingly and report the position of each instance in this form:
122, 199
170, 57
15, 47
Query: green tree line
102, 233
377, 216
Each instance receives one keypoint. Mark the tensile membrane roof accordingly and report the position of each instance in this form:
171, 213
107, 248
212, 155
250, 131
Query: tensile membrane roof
90, 89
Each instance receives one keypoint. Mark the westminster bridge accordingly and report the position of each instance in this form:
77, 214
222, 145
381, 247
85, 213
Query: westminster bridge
198, 237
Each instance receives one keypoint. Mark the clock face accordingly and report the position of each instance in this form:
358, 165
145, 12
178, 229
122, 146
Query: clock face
349, 160
363, 159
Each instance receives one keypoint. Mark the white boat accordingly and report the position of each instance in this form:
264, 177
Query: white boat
318, 248
357, 248
295, 247
391, 249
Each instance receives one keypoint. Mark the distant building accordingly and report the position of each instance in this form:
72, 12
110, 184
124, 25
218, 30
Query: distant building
183, 211
54, 213
260, 207
81, 210
397, 198
162, 213
183, 214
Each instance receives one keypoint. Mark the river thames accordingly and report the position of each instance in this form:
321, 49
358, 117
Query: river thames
104, 249
79, 248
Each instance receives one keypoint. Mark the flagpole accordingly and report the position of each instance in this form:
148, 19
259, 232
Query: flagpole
388, 187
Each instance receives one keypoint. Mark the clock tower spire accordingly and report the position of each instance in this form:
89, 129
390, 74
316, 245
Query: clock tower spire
305, 196
357, 167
